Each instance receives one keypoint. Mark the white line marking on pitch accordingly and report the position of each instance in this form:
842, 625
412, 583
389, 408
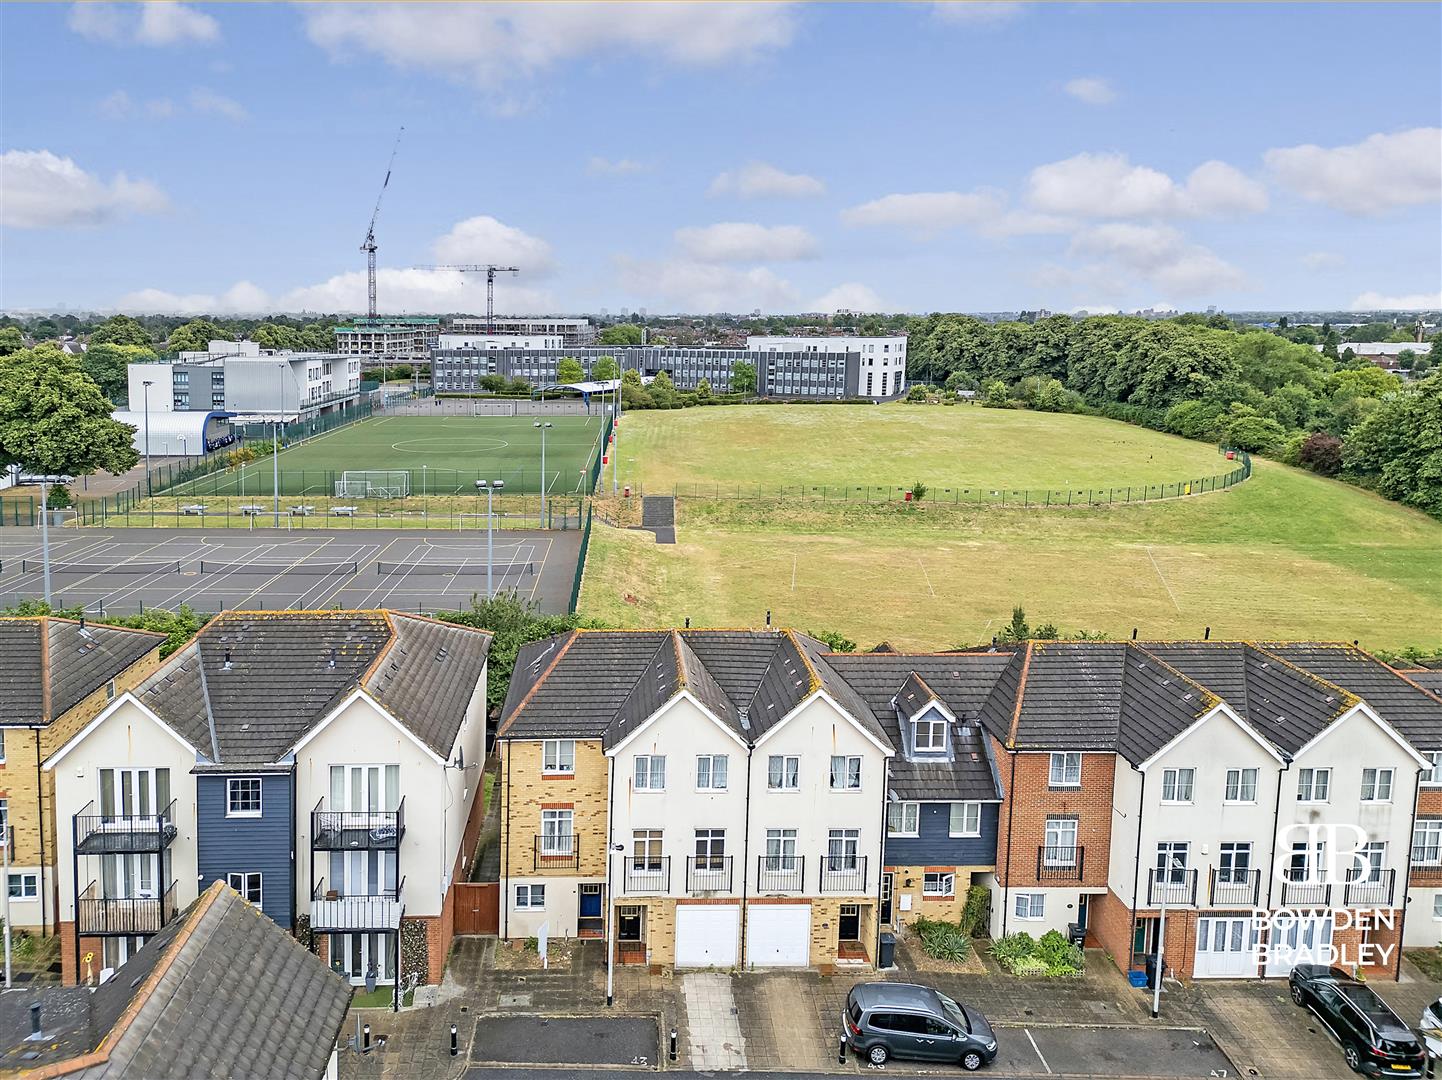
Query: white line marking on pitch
1034, 1046
794, 557
925, 576
1163, 578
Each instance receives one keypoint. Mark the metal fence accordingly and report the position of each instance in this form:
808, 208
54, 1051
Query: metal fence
562, 513
580, 562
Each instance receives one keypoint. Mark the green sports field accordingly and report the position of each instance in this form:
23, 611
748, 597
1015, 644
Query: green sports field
440, 455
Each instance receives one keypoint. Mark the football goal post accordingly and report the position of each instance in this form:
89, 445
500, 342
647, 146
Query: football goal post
373, 484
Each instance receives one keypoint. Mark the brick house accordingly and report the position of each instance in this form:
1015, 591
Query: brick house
55, 676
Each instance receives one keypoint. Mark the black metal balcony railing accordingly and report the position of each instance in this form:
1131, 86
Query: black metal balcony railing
651, 874
103, 916
1060, 863
1371, 891
1426, 873
119, 834
1174, 887
843, 873
708, 873
341, 912
1300, 892
1234, 887
555, 851
357, 830
780, 873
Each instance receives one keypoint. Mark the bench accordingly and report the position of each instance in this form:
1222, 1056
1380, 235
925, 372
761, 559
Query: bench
193, 509
345, 511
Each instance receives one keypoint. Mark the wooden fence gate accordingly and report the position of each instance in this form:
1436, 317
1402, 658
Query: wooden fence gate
478, 907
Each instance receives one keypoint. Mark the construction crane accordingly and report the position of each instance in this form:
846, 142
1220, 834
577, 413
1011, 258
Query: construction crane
369, 246
490, 270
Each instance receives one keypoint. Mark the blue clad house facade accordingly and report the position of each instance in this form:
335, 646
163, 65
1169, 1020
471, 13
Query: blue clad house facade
245, 838
935, 844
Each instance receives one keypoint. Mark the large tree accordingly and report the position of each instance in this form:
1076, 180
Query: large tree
605, 368
108, 366
120, 330
1398, 446
620, 334
743, 378
10, 340
569, 370
196, 336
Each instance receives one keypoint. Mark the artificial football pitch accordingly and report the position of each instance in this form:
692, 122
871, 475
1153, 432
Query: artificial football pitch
442, 455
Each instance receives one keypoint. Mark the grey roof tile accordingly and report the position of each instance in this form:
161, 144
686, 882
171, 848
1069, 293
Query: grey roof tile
77, 659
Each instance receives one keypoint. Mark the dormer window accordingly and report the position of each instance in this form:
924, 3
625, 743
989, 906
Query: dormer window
930, 737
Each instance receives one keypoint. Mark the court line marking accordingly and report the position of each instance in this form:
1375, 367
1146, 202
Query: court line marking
541, 570
277, 577
794, 558
1163, 578
925, 576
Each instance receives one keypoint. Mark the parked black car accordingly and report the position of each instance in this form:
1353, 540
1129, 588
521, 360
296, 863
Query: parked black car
882, 1020
1373, 1038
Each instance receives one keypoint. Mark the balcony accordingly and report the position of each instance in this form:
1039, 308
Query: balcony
1237, 887
357, 830
1372, 892
1060, 863
648, 875
1174, 887
708, 873
1304, 893
122, 834
780, 873
843, 874
334, 911
102, 916
1426, 873
555, 852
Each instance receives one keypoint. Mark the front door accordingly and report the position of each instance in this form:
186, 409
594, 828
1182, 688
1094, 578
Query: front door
589, 921
628, 924
886, 883
1081, 911
354, 954
129, 877
849, 923
134, 793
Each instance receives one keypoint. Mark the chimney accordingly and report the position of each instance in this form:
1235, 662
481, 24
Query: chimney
331, 665
226, 666
35, 1033
82, 620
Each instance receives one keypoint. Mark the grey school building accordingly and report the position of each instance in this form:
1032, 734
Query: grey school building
789, 367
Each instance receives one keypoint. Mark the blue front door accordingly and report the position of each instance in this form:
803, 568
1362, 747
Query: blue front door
590, 901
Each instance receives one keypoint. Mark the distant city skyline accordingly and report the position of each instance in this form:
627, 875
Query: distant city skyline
786, 158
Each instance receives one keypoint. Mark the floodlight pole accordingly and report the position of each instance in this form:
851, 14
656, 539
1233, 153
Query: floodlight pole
275, 446
146, 394
490, 486
543, 428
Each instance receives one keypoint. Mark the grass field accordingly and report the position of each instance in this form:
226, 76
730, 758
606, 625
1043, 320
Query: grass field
740, 447
443, 455
1284, 555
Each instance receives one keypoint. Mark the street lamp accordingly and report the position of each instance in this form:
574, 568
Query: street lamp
146, 395
543, 428
275, 446
489, 486
182, 450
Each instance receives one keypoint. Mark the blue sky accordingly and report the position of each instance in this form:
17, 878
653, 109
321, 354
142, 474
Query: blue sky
922, 157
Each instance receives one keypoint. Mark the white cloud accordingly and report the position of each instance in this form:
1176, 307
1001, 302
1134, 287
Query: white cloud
599, 166
116, 106
1110, 186
1092, 90
741, 241
758, 180
242, 298
1375, 301
40, 190
702, 288
976, 12
143, 24
927, 212
1156, 255
849, 296
1380, 173
488, 45
1322, 260
208, 101
483, 239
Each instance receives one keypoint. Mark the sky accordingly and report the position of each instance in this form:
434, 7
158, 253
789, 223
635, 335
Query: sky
182, 158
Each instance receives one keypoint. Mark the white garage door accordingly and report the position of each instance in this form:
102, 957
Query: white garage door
778, 935
1226, 948
706, 934
1299, 940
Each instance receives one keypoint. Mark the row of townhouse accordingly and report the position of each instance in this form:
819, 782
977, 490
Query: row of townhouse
324, 765
747, 798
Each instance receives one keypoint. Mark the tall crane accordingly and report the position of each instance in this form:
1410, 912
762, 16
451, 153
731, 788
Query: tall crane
369, 245
491, 270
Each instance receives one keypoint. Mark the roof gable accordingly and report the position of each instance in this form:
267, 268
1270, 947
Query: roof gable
48, 665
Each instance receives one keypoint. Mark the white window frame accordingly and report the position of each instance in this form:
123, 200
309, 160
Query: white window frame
2, 745
969, 811
1429, 830
1229, 865
244, 888
1437, 906
1380, 785
554, 757
534, 897
1174, 859
642, 859
1237, 793
847, 775
1308, 783
654, 766
232, 786
710, 761
1177, 779
933, 745
1434, 777
28, 882
1374, 853
788, 773
1054, 830
1060, 768
551, 840
945, 883
110, 690
904, 810
1029, 906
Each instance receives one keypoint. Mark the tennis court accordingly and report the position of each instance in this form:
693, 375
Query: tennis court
125, 570
420, 455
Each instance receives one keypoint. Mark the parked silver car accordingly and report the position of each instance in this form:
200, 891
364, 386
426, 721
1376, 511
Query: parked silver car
882, 1020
